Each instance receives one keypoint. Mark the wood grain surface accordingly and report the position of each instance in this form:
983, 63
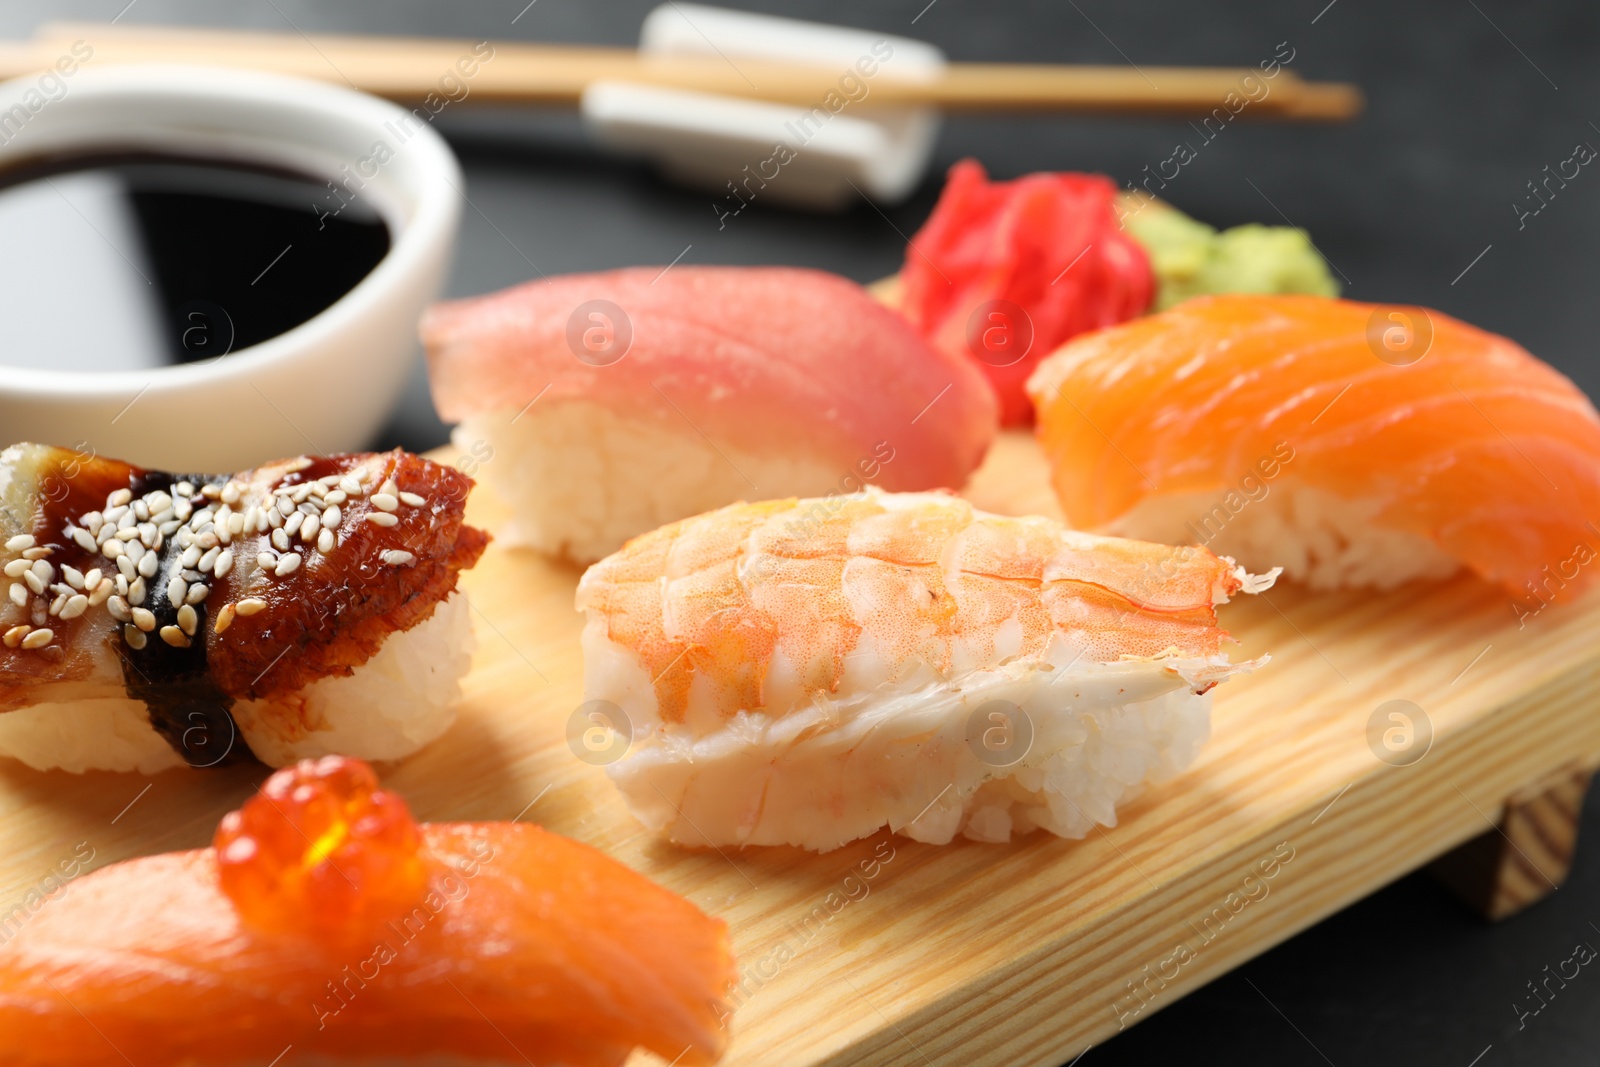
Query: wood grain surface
893, 952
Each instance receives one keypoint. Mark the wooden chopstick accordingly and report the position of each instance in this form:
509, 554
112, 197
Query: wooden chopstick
407, 69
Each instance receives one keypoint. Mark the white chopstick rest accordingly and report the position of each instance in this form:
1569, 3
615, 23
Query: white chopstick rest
745, 151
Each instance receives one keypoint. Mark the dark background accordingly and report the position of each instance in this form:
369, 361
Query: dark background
1468, 101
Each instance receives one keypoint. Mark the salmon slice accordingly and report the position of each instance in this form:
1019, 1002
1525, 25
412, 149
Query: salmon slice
327, 921
1355, 444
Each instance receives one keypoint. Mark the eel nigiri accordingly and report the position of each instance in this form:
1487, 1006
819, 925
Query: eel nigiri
301, 608
805, 672
326, 925
1354, 444
612, 403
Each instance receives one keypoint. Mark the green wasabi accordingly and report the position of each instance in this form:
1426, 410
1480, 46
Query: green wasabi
1190, 258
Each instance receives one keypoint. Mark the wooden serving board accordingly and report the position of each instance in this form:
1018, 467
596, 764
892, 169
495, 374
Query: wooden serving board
893, 952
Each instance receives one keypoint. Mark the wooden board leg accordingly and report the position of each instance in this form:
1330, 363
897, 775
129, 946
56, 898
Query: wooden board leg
1505, 870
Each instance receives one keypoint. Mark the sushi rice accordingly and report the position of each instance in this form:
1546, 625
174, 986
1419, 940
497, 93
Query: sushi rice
391, 705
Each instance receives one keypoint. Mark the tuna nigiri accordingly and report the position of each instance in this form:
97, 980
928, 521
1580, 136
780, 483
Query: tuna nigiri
805, 672
302, 608
1354, 444
325, 924
612, 403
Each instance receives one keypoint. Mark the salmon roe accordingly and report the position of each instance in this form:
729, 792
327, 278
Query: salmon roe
321, 848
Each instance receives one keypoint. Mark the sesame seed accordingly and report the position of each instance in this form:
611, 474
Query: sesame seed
128, 520
137, 591
19, 595
46, 573
38, 639
85, 540
94, 520
280, 540
211, 491
134, 636
382, 518
266, 560
13, 637
174, 637
224, 619
114, 512
190, 557
329, 479
250, 606
149, 535
209, 558
385, 501
389, 488
36, 553
236, 523
224, 563
149, 565
167, 529
120, 498
301, 494
141, 510
186, 488
125, 568
15, 568
75, 606
73, 576
181, 510
325, 541
350, 486
332, 516
188, 620
177, 589
338, 496
292, 525
230, 493
319, 490
144, 619
91, 579
135, 552
162, 517
288, 564
113, 550
197, 593
208, 539
100, 593
127, 534
118, 607
309, 528
19, 542
34, 582
58, 603
275, 518
397, 558
413, 500
122, 585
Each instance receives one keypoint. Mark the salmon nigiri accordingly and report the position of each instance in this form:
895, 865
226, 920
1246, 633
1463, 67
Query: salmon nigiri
805, 672
1354, 444
327, 922
600, 406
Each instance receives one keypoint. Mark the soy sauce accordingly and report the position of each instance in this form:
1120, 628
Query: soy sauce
135, 260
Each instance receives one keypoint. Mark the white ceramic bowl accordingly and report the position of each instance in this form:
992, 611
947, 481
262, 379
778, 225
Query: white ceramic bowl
326, 385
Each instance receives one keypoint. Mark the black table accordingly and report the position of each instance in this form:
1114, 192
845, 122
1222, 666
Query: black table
1426, 199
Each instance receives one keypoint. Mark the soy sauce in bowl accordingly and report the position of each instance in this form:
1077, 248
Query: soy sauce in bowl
132, 260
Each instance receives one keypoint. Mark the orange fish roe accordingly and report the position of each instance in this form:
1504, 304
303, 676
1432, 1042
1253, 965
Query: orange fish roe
321, 848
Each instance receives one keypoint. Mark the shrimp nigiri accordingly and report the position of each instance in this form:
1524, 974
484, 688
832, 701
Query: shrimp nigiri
805, 672
1354, 444
326, 921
